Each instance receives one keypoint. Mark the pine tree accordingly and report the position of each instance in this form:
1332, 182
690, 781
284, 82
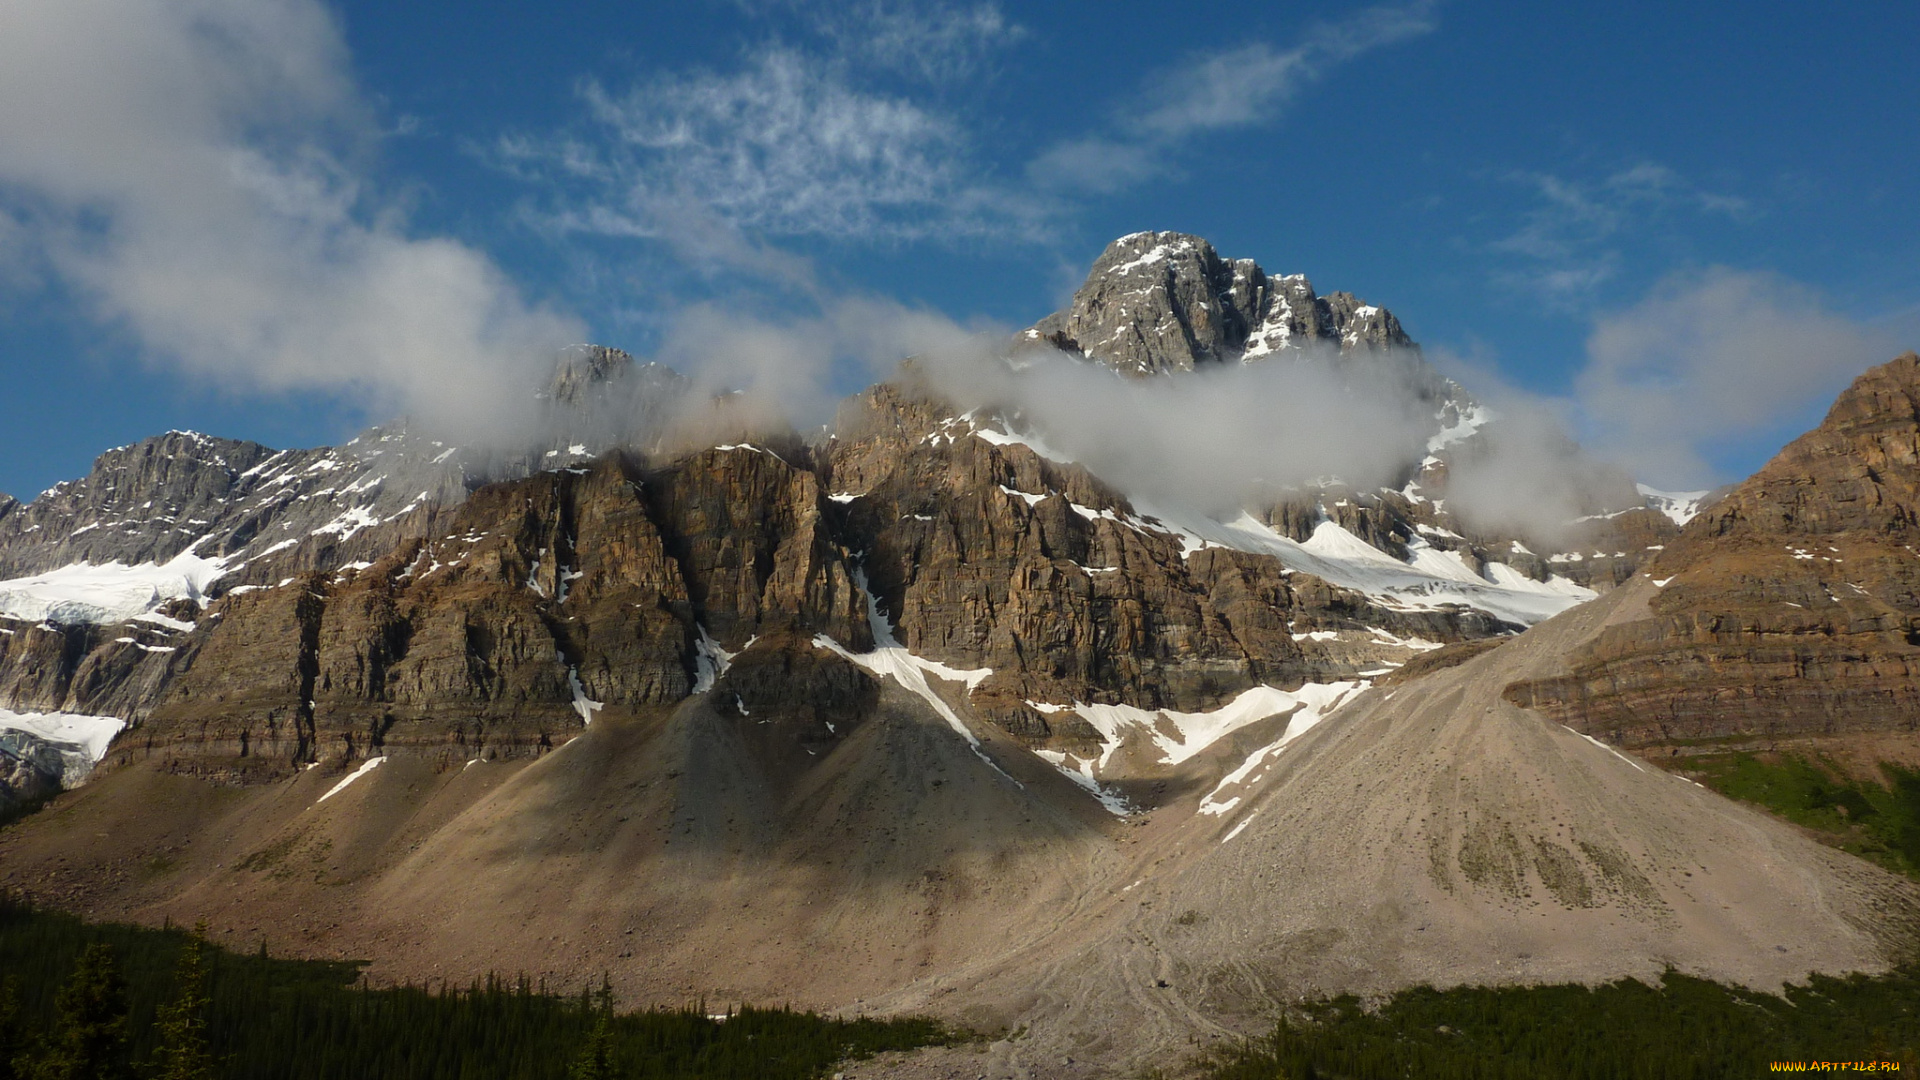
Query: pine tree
596, 1057
89, 1038
13, 1032
183, 1053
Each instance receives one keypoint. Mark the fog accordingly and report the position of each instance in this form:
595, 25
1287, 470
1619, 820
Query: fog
1708, 358
1665, 382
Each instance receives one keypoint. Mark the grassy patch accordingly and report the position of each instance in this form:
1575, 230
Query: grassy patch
1681, 1028
310, 1020
1880, 822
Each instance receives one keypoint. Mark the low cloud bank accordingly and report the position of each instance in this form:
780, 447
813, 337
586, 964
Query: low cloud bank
1711, 358
193, 169
1701, 361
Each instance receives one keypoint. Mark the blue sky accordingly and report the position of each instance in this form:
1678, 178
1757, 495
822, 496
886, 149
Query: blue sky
1683, 230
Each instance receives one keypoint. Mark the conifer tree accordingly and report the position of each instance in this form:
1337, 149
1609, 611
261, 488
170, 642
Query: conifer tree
13, 1032
596, 1056
183, 1053
89, 1037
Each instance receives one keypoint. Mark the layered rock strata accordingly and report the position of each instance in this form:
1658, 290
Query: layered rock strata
1792, 607
546, 600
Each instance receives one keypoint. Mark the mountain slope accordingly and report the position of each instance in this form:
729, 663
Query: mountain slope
918, 715
1790, 609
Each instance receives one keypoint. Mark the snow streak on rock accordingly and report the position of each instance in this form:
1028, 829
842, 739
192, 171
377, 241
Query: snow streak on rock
891, 660
371, 764
1317, 702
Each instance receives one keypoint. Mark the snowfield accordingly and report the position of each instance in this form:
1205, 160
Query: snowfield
87, 736
108, 593
1431, 579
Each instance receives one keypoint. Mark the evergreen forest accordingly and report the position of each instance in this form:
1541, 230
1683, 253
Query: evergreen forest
82, 1001
1681, 1029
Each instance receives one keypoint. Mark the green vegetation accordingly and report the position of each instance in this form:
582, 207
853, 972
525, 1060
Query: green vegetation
84, 1000
1876, 821
1683, 1029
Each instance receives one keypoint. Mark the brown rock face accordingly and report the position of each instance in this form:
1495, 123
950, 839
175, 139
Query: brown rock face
1791, 607
550, 598
983, 554
542, 600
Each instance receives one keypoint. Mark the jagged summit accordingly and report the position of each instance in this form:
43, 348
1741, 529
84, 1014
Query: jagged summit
1167, 301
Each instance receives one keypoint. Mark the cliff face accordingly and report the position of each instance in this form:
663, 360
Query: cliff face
546, 600
1792, 607
250, 612
627, 587
985, 554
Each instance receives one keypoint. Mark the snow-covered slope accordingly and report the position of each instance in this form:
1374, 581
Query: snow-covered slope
1429, 579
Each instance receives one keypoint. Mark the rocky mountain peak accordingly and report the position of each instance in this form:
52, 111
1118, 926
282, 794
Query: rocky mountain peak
1858, 471
1167, 301
580, 369
142, 502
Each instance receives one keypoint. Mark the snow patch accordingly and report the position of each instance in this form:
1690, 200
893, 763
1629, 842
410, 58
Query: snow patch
1611, 750
1244, 822
110, 592
1031, 442
583, 705
710, 661
88, 736
1317, 702
370, 765
1472, 419
1080, 771
890, 659
1681, 506
349, 523
1429, 580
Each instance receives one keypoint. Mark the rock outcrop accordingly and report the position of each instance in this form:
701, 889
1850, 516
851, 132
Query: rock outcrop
1791, 607
1163, 301
546, 600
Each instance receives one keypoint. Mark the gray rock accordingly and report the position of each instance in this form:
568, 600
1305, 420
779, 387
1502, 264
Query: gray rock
1166, 301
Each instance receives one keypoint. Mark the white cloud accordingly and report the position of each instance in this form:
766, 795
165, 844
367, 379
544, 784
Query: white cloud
1237, 88
1709, 358
788, 145
188, 167
938, 43
1569, 237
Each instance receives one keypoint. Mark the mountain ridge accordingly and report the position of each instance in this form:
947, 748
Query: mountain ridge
918, 715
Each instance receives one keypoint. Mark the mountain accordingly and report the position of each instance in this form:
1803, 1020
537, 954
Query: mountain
917, 714
306, 604
1787, 611
1162, 301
